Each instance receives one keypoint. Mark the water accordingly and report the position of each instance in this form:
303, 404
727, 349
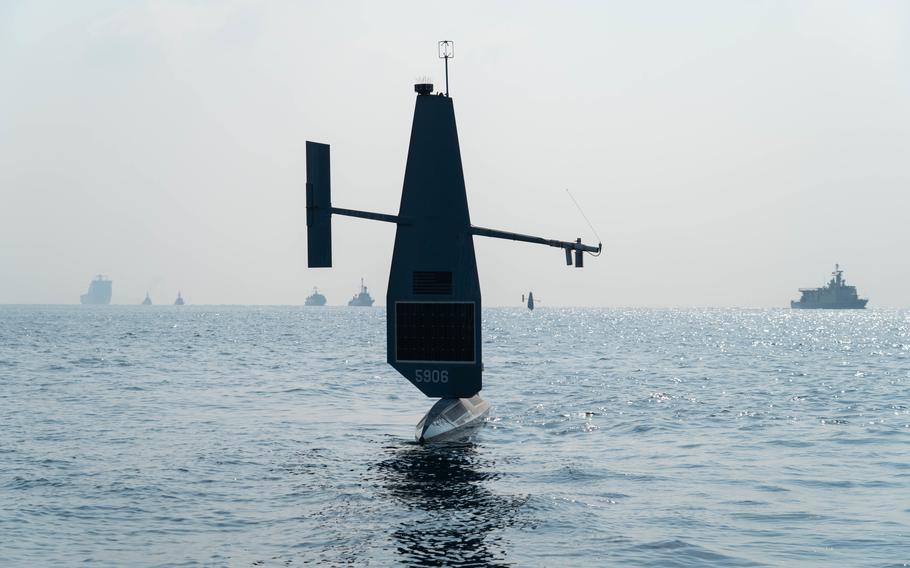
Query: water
279, 437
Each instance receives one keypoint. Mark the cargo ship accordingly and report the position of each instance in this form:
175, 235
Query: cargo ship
99, 291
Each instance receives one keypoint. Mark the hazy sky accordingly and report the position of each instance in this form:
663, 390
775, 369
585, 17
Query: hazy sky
727, 152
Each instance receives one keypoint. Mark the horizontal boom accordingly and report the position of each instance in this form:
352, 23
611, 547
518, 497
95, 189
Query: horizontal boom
495, 233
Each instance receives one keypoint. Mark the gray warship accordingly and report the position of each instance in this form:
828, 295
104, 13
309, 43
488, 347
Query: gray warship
316, 299
148, 300
836, 295
363, 298
99, 292
179, 301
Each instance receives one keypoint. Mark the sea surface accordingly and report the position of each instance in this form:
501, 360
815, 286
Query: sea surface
278, 436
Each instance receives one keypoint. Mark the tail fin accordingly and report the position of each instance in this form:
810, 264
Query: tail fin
318, 206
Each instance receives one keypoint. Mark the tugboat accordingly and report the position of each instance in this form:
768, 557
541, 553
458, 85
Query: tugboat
836, 295
147, 301
316, 299
363, 298
99, 292
179, 300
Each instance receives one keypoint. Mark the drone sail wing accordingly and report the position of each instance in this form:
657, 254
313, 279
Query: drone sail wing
433, 298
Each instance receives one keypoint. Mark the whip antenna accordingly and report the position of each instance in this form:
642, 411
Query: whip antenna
572, 197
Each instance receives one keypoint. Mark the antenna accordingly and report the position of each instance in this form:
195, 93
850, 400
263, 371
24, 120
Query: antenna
447, 51
590, 226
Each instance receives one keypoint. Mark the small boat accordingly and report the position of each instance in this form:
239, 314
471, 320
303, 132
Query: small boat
179, 301
147, 301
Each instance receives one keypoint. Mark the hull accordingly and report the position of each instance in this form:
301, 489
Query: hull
314, 302
452, 419
857, 305
93, 300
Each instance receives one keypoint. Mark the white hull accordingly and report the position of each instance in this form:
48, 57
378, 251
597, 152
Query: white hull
452, 419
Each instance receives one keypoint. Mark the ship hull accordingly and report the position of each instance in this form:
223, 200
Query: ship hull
314, 302
857, 305
452, 419
86, 299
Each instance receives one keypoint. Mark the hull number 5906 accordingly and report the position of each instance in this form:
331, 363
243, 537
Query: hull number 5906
431, 376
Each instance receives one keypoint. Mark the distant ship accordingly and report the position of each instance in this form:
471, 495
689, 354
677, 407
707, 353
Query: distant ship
530, 300
147, 301
316, 299
363, 298
836, 295
179, 300
99, 291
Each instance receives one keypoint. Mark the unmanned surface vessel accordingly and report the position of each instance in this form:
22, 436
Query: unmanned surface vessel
433, 300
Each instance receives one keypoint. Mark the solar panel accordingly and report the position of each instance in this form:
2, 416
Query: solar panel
434, 331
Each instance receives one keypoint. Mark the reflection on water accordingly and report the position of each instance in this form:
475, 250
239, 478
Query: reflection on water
647, 438
457, 517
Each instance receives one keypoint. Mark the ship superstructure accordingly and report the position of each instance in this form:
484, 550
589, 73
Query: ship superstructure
100, 291
835, 295
362, 299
